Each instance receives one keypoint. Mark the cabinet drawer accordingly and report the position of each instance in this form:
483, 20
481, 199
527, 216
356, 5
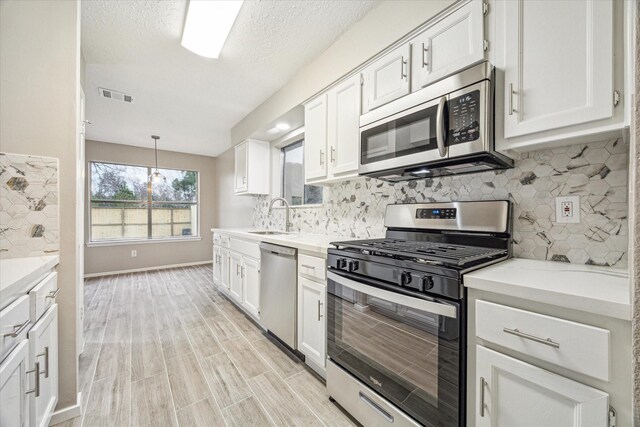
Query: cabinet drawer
250, 249
43, 296
225, 241
216, 240
575, 346
14, 324
312, 267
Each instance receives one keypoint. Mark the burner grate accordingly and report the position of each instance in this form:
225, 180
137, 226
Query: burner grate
445, 253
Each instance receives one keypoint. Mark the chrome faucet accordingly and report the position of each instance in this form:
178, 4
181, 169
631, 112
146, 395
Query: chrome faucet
288, 223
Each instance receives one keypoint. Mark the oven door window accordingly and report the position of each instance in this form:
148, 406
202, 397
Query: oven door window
409, 356
402, 136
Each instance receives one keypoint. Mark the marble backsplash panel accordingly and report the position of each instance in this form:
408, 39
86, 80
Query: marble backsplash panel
597, 172
29, 201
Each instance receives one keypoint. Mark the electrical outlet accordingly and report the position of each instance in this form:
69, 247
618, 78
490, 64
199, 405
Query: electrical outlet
568, 209
134, 253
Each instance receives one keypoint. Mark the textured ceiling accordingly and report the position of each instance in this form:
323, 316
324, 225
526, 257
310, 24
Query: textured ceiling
190, 101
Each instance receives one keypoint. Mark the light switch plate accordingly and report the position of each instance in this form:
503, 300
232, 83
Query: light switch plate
568, 210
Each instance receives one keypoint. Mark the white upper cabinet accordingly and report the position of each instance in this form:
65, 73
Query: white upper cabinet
512, 393
387, 78
252, 162
451, 44
343, 127
559, 66
315, 138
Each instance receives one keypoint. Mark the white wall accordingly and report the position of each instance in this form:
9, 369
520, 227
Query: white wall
230, 210
377, 30
39, 79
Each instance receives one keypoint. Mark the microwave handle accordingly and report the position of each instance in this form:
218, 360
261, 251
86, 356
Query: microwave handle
440, 127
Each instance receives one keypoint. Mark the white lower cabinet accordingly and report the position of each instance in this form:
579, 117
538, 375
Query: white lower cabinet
235, 276
14, 400
225, 269
217, 265
512, 393
311, 320
43, 349
250, 272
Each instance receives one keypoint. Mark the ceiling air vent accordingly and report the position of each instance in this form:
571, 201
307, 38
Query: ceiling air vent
112, 94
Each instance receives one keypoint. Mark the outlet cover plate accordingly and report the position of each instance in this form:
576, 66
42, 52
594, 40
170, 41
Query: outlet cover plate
575, 207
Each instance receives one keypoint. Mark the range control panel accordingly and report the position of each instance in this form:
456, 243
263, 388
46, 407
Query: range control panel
449, 213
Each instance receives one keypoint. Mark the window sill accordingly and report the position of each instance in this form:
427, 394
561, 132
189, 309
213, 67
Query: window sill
142, 241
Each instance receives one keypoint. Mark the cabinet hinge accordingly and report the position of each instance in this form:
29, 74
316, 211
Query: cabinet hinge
616, 98
485, 8
612, 417
485, 44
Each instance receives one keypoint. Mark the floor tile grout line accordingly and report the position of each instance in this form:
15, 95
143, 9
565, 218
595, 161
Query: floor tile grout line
253, 393
164, 359
95, 368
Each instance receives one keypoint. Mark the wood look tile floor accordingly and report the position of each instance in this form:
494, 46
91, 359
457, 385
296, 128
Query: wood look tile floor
165, 348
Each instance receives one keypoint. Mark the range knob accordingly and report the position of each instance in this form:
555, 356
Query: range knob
427, 283
341, 263
353, 265
404, 278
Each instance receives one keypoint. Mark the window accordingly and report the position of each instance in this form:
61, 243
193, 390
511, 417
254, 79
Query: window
294, 189
125, 205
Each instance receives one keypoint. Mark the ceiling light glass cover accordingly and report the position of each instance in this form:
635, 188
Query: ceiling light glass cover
208, 24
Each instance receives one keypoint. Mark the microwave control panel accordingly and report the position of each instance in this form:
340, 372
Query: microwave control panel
464, 118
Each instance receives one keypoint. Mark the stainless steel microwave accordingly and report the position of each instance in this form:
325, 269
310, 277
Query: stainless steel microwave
445, 128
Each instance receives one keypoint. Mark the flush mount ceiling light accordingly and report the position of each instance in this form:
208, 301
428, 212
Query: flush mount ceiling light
208, 24
283, 126
156, 177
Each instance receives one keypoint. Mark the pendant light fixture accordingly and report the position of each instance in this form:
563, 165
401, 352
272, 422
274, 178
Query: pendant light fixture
156, 177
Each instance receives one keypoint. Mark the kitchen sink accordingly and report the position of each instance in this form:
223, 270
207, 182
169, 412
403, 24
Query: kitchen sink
268, 232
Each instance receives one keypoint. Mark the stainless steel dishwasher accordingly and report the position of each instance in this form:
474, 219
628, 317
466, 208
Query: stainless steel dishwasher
279, 292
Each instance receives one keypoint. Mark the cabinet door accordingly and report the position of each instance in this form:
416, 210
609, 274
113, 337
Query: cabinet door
235, 276
343, 127
241, 155
311, 320
315, 142
517, 394
450, 45
225, 269
13, 387
251, 278
387, 78
558, 64
217, 265
43, 348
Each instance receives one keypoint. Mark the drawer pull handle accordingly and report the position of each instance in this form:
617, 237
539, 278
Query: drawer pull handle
366, 399
53, 294
483, 383
17, 329
36, 371
545, 341
311, 267
46, 361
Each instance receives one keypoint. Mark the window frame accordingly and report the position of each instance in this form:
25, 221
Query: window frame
281, 148
149, 201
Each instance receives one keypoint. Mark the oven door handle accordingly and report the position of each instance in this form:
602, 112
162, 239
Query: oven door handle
438, 308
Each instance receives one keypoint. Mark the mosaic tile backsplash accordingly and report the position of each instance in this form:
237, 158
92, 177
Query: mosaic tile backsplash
597, 172
29, 200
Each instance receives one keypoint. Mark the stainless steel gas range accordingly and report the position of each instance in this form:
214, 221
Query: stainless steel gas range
396, 318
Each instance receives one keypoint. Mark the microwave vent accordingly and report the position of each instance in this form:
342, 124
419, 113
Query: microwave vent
112, 94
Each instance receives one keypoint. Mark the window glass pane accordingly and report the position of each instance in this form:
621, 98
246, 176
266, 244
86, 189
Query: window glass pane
118, 202
293, 188
175, 204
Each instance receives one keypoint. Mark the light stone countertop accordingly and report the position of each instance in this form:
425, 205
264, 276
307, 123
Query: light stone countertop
599, 290
317, 243
18, 274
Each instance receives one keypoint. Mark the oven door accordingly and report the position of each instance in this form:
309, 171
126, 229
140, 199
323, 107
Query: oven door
407, 348
409, 137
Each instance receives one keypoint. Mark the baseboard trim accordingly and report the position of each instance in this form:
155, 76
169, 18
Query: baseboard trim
158, 267
67, 413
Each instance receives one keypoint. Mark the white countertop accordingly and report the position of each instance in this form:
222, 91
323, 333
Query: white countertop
18, 274
318, 243
599, 290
